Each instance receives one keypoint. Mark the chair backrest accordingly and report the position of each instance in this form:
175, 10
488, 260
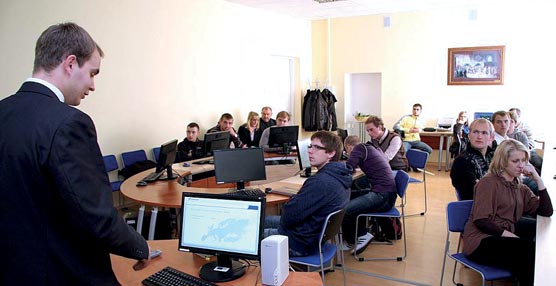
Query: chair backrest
110, 163
402, 180
128, 158
156, 152
342, 133
332, 225
457, 214
417, 158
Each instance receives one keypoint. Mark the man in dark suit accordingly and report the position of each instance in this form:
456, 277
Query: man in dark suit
56, 211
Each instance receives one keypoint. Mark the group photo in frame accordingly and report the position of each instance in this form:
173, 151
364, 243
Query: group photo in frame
476, 65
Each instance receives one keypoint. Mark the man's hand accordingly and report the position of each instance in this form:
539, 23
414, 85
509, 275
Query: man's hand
140, 264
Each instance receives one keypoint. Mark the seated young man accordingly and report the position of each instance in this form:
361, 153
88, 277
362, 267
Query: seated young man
226, 123
327, 191
191, 147
473, 163
382, 195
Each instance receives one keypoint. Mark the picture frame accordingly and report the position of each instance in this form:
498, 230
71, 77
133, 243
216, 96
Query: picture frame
476, 65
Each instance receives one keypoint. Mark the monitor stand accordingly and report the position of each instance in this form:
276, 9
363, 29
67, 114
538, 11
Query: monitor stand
222, 270
169, 174
286, 150
306, 173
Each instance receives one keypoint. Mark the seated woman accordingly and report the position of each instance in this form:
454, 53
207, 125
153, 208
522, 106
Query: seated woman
249, 133
492, 235
382, 195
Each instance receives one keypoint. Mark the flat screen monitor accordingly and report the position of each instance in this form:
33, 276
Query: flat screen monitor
283, 136
230, 227
485, 115
216, 141
166, 158
342, 133
303, 157
239, 165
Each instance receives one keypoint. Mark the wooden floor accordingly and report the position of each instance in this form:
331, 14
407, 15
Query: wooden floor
426, 236
425, 243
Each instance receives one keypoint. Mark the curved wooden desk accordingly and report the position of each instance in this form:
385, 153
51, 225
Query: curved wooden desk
190, 263
169, 193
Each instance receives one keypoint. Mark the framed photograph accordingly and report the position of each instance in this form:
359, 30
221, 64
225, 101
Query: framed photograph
476, 65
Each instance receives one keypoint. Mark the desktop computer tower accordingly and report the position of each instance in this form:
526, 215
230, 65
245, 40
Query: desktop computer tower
274, 260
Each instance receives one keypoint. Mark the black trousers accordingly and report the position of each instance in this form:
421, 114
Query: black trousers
515, 254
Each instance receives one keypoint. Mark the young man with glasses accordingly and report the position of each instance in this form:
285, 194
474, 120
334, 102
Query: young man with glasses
327, 191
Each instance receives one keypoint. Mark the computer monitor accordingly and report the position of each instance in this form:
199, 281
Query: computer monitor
230, 227
239, 165
303, 157
166, 158
283, 136
216, 141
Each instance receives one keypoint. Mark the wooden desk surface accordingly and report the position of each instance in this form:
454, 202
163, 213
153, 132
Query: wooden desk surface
436, 133
169, 193
545, 256
191, 263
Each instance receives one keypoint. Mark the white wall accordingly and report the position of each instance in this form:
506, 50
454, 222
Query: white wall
166, 63
411, 55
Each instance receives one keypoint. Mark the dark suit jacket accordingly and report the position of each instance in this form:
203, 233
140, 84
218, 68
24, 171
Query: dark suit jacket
245, 136
56, 211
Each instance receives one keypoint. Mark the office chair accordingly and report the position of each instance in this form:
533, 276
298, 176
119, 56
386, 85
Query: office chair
327, 250
156, 152
457, 214
402, 180
110, 164
417, 160
128, 158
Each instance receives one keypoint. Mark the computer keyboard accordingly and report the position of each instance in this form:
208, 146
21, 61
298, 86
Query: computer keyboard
247, 192
172, 277
152, 177
203, 162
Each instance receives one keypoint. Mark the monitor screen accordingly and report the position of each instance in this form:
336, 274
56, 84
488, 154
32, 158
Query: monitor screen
230, 227
216, 141
239, 165
166, 158
303, 157
283, 136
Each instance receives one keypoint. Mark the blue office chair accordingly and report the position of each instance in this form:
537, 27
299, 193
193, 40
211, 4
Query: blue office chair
327, 250
110, 164
457, 214
128, 158
417, 159
156, 153
402, 180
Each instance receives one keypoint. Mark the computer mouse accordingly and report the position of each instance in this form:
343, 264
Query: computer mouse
267, 190
186, 164
141, 184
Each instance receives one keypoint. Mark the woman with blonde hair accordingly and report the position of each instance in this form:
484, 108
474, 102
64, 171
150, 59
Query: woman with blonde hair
492, 234
249, 133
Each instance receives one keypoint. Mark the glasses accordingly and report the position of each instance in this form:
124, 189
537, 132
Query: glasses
315, 147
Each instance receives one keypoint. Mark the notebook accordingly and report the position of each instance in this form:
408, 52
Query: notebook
286, 191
